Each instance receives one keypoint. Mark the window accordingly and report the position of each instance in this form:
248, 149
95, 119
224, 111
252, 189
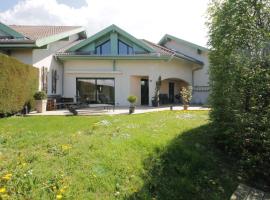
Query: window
95, 90
54, 81
44, 72
124, 49
104, 48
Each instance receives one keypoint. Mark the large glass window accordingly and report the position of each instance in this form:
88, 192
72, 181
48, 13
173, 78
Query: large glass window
104, 48
95, 90
124, 49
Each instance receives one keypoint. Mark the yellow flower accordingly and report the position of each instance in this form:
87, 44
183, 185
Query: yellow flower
62, 190
7, 177
59, 196
66, 147
2, 190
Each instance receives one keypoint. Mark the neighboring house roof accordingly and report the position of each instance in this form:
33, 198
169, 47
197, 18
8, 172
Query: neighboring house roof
39, 32
112, 28
37, 36
167, 37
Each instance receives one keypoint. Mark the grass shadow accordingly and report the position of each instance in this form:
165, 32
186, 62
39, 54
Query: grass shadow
188, 168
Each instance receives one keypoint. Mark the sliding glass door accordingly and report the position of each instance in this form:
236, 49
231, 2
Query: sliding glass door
95, 90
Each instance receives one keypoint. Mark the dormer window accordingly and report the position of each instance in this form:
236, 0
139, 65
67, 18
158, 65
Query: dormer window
124, 49
104, 48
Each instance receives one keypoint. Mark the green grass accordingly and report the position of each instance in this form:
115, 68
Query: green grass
163, 155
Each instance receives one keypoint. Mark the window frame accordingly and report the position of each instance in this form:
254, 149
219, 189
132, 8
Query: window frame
100, 47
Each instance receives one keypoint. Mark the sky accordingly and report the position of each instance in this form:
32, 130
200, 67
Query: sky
144, 19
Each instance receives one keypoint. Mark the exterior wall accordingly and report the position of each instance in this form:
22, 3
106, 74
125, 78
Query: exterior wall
127, 73
201, 77
45, 58
135, 88
23, 55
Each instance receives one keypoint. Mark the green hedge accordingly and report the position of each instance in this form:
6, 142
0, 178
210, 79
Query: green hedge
18, 83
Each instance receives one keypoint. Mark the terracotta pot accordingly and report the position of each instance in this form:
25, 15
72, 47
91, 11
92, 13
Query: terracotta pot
41, 105
185, 107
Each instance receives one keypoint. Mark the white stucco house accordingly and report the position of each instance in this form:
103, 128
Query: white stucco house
109, 66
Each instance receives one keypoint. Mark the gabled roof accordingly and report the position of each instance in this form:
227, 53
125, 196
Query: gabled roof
112, 28
37, 35
169, 52
159, 53
167, 37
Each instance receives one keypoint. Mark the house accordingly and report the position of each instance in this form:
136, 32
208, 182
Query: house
109, 66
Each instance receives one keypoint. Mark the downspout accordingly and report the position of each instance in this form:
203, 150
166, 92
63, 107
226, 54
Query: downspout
193, 71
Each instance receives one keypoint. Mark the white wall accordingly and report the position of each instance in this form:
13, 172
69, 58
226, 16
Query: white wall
23, 55
201, 77
127, 73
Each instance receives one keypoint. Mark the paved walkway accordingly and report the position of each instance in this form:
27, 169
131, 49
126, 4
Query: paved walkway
117, 110
244, 192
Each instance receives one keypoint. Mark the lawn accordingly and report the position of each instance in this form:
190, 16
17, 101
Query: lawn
162, 155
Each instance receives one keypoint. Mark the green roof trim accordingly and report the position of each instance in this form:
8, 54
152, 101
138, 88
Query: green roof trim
56, 37
190, 44
112, 28
10, 31
87, 57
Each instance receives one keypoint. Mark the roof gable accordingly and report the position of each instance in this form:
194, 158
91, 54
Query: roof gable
9, 31
114, 29
167, 37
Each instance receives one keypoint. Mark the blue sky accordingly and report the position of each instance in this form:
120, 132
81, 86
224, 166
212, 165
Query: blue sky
8, 4
148, 19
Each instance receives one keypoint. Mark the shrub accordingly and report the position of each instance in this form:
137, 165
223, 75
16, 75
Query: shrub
239, 78
18, 83
40, 95
186, 94
132, 99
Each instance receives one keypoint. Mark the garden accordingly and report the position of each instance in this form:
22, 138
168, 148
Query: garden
161, 155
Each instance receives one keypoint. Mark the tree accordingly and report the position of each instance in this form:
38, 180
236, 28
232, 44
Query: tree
239, 33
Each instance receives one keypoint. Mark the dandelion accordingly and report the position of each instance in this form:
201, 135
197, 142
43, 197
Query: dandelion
3, 190
59, 196
66, 147
7, 177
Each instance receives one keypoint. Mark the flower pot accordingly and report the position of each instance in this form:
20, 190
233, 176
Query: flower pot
185, 107
41, 105
131, 109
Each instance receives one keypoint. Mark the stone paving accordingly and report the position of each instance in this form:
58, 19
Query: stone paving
244, 192
117, 110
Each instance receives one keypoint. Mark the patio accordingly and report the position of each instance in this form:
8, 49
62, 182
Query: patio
117, 110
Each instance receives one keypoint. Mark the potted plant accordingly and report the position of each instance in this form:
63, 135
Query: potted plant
41, 101
132, 100
186, 94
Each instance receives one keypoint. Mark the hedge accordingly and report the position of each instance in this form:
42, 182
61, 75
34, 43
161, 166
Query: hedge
18, 83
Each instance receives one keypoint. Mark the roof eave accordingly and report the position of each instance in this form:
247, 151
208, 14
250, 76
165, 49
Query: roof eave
88, 57
167, 36
56, 37
10, 31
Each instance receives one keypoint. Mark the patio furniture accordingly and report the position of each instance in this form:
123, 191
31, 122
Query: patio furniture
82, 104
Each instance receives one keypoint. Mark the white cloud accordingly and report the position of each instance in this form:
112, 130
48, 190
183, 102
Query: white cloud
149, 19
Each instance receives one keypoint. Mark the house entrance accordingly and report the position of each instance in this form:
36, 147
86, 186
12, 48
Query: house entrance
144, 91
